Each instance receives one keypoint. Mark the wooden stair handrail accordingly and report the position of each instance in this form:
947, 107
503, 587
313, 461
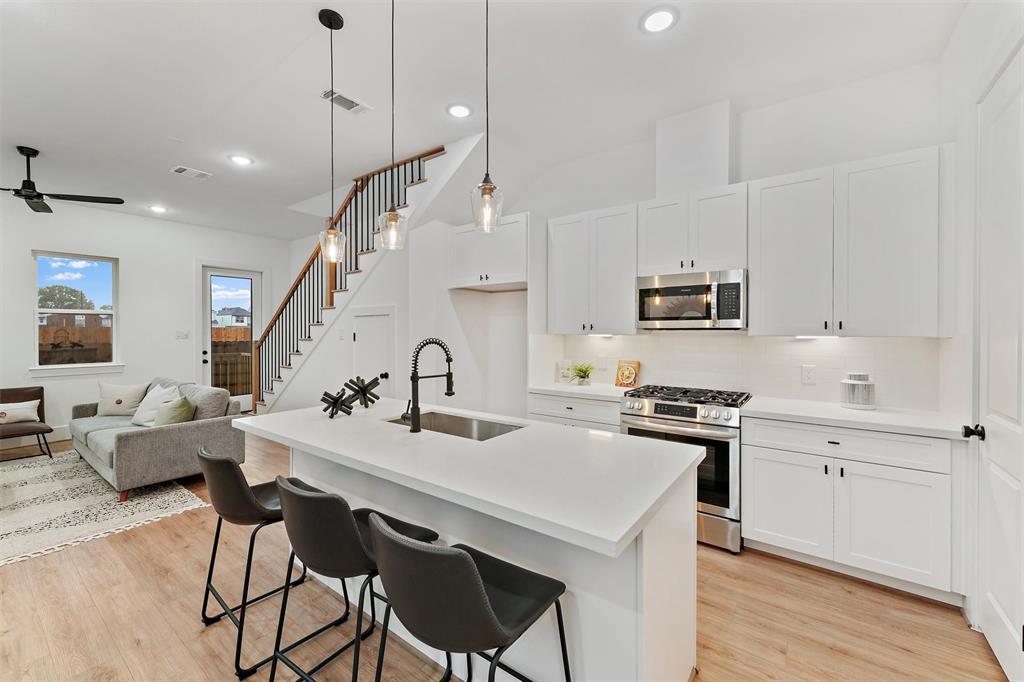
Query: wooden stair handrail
288, 296
401, 162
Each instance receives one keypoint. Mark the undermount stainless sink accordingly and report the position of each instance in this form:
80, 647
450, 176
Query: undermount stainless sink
463, 427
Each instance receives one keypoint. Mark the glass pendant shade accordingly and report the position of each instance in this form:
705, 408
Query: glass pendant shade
332, 244
487, 199
392, 226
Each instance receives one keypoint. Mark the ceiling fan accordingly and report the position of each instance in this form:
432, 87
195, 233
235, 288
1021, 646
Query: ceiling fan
36, 199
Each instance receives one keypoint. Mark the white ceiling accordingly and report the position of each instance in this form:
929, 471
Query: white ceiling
116, 93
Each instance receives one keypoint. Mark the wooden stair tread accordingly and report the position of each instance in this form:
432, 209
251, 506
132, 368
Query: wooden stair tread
416, 182
365, 251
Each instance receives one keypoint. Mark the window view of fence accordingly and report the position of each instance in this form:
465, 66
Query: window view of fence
75, 314
231, 334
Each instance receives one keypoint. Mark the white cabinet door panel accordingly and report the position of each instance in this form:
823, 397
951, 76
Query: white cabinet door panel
887, 245
718, 228
613, 272
506, 251
662, 237
894, 521
787, 500
791, 254
569, 261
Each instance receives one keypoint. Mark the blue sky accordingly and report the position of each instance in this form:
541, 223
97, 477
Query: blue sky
91, 276
231, 292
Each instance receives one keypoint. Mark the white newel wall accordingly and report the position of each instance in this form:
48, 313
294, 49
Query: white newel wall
159, 266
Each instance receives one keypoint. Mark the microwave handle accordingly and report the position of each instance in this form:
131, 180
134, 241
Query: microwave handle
714, 303
703, 432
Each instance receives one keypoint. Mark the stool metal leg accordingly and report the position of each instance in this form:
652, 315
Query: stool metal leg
561, 637
495, 663
447, 668
383, 642
469, 667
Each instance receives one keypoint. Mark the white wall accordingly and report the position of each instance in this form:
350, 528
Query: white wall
159, 266
963, 69
485, 331
693, 149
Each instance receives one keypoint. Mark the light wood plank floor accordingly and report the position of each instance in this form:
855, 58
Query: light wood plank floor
125, 607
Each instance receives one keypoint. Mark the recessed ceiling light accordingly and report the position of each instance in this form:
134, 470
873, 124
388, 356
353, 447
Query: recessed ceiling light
241, 160
158, 209
459, 110
658, 20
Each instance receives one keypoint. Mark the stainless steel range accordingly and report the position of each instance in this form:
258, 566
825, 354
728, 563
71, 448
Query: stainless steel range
707, 418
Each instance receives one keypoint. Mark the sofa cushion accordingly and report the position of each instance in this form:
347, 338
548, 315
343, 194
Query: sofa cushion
119, 399
81, 428
164, 381
102, 442
210, 402
176, 412
154, 400
12, 413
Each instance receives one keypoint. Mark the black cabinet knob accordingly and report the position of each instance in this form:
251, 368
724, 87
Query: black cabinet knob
976, 430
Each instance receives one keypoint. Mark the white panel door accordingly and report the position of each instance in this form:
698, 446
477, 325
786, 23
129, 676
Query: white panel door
569, 257
662, 237
887, 245
1000, 221
791, 255
613, 273
894, 521
373, 349
718, 228
787, 499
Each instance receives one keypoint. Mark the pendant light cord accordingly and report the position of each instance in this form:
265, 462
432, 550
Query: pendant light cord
394, 175
330, 101
487, 87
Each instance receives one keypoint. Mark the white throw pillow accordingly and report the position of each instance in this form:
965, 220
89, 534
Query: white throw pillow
120, 401
150, 405
12, 413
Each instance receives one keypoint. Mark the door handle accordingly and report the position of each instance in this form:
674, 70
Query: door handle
205, 361
976, 430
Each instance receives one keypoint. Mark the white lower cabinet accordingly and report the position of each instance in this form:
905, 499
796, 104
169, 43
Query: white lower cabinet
786, 500
890, 520
894, 521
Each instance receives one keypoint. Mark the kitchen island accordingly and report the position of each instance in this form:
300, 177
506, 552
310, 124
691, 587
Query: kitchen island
610, 515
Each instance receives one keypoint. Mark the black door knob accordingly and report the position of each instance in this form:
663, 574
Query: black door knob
205, 361
976, 430
204, 352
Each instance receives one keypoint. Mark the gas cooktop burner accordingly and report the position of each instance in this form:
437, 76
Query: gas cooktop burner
695, 396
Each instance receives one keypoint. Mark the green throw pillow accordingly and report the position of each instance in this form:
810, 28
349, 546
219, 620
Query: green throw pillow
174, 412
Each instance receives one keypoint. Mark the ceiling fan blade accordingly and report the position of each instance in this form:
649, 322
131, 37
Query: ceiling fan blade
39, 206
82, 197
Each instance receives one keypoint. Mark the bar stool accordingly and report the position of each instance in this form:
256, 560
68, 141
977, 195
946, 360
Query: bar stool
459, 599
235, 501
333, 540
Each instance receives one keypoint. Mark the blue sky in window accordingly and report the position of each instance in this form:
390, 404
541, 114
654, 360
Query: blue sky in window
231, 292
93, 277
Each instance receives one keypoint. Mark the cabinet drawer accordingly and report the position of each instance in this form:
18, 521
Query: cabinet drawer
892, 449
575, 408
573, 422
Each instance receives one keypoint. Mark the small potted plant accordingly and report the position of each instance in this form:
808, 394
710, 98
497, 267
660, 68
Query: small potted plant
581, 373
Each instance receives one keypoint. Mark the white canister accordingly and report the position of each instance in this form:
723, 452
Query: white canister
857, 391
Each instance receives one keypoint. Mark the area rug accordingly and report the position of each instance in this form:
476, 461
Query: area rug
47, 505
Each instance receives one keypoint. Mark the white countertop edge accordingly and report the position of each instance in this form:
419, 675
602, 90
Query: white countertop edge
602, 545
886, 420
600, 392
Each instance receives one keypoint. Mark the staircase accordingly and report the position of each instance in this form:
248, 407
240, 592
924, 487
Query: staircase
322, 289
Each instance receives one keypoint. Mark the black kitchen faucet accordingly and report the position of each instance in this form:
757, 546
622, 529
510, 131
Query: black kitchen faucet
413, 414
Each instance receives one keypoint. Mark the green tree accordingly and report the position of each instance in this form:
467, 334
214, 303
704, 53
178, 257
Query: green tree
61, 297
106, 306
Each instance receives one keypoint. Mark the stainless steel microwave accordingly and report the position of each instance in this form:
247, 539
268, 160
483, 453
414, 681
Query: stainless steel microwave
693, 300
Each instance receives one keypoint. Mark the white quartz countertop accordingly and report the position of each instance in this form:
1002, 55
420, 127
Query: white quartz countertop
590, 488
593, 391
892, 420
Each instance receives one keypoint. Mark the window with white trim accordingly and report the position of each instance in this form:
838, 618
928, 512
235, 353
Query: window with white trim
76, 301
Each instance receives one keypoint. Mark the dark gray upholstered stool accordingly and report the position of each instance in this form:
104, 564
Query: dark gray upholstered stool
460, 600
335, 541
235, 501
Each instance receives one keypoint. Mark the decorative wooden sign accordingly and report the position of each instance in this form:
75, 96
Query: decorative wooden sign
627, 373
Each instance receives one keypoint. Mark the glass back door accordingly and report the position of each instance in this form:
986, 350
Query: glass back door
231, 300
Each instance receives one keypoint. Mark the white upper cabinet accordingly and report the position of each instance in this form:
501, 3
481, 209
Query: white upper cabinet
718, 229
662, 237
887, 245
705, 230
490, 262
790, 260
592, 272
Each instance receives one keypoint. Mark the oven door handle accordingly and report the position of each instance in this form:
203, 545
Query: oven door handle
702, 432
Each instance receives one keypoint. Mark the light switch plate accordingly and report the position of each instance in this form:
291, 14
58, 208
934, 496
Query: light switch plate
808, 374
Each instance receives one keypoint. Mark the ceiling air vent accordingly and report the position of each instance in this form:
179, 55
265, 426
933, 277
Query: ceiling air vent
349, 105
190, 172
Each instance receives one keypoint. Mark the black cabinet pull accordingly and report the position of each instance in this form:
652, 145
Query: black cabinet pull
591, 326
488, 277
841, 470
691, 263
833, 442
682, 264
568, 407
826, 470
826, 324
840, 325
976, 430
481, 278
584, 326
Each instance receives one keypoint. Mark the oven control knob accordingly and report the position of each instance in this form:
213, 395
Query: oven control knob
715, 414
727, 416
704, 412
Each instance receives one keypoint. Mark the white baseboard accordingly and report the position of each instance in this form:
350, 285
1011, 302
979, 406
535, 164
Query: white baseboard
951, 598
59, 433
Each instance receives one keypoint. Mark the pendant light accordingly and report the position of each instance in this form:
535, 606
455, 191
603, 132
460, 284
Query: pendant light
332, 240
487, 198
391, 224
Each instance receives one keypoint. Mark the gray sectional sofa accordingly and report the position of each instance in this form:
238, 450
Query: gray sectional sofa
130, 456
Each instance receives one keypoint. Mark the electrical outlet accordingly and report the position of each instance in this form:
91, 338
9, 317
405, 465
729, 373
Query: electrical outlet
808, 374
